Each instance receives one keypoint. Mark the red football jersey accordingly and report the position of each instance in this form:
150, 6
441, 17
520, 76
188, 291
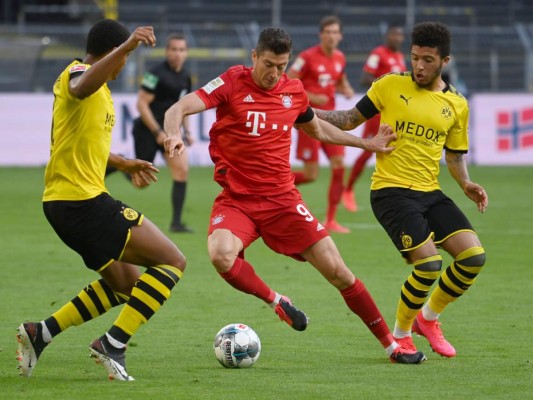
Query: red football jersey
319, 72
383, 60
251, 137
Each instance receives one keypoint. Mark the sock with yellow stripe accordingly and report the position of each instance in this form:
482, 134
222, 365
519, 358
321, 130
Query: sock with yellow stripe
455, 281
414, 292
151, 290
94, 300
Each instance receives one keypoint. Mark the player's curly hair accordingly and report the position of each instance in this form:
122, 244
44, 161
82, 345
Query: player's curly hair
275, 40
105, 35
432, 34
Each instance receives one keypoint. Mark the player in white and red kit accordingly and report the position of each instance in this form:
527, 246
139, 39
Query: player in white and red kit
250, 146
321, 69
382, 60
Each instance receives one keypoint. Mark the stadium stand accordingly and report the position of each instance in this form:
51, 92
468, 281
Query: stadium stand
491, 46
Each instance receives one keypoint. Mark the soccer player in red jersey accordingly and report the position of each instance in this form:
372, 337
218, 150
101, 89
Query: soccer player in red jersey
250, 146
321, 70
382, 60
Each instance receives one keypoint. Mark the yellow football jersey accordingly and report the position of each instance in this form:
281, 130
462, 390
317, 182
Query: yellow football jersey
80, 140
425, 123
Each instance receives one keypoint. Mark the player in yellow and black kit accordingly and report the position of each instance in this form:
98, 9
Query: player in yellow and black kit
112, 238
427, 115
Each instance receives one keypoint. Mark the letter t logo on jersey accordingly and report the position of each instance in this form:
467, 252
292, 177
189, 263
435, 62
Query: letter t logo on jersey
255, 123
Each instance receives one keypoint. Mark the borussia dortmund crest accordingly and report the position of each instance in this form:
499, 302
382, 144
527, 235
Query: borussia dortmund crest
130, 214
407, 241
446, 112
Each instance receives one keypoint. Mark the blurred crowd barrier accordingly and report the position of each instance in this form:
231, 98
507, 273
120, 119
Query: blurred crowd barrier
501, 129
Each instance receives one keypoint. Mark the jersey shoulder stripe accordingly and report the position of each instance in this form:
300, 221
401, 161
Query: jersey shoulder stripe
399, 74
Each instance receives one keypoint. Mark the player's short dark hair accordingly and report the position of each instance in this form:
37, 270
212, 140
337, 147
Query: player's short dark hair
432, 34
105, 35
275, 40
330, 20
176, 36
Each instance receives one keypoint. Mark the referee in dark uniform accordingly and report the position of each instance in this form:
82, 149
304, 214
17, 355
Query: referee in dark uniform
161, 87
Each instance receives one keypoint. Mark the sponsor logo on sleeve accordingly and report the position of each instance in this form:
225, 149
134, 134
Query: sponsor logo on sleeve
78, 68
150, 80
214, 84
372, 61
298, 64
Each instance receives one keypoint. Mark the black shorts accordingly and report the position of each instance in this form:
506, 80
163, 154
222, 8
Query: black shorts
97, 229
145, 145
412, 217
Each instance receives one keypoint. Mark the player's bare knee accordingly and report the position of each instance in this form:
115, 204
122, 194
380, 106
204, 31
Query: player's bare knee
221, 260
176, 259
337, 162
312, 175
340, 277
181, 262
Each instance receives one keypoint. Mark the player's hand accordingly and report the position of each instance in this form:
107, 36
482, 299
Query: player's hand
477, 194
380, 142
174, 145
141, 34
142, 172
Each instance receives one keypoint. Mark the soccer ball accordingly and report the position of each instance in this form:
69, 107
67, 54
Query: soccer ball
237, 346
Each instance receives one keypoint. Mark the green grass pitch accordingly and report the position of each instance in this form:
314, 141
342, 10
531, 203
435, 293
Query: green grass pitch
336, 358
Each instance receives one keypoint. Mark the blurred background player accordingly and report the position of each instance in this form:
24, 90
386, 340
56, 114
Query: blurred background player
321, 69
382, 60
112, 238
161, 87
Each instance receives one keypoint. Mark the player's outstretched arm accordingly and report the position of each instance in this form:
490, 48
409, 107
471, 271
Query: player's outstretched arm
102, 70
327, 133
174, 116
342, 119
458, 170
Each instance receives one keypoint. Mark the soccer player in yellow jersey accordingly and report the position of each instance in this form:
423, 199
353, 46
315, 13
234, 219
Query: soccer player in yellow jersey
427, 115
111, 237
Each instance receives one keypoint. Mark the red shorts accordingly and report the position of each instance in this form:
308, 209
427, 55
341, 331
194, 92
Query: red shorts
283, 221
372, 126
307, 148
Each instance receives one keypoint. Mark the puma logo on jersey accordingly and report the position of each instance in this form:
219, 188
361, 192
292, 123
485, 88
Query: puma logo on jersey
248, 99
406, 99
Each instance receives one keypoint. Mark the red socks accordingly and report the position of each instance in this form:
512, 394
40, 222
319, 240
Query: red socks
243, 277
361, 303
335, 192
